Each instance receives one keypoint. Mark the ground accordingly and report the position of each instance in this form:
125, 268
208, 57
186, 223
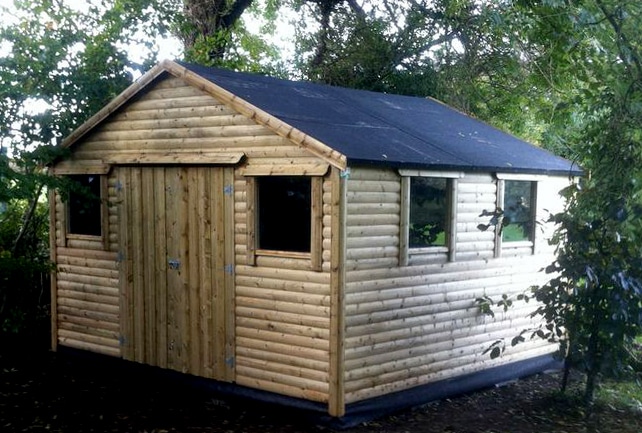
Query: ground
46, 392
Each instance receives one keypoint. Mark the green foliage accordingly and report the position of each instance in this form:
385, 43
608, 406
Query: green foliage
362, 48
593, 303
35, 245
426, 235
59, 63
215, 33
580, 66
24, 275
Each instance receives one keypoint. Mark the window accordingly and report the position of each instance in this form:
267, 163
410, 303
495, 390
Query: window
428, 220
519, 219
284, 213
84, 215
427, 215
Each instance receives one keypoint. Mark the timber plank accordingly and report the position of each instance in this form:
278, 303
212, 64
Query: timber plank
160, 265
138, 282
147, 227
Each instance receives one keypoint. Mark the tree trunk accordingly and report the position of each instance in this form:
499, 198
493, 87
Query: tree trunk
567, 372
211, 21
589, 391
26, 220
594, 360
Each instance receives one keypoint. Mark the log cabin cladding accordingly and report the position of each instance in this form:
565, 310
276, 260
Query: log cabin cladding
86, 297
410, 316
283, 298
172, 303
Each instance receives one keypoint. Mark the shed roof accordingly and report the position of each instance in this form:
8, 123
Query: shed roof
386, 129
357, 127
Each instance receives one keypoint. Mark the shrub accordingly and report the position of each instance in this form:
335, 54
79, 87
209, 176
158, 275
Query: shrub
24, 273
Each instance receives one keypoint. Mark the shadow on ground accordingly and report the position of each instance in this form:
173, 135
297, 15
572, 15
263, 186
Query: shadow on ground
47, 392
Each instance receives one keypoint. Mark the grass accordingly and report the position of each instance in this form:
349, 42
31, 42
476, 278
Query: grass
625, 392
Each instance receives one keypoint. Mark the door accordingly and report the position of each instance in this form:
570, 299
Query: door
176, 297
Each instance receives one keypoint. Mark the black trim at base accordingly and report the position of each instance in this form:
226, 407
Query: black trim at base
356, 413
379, 406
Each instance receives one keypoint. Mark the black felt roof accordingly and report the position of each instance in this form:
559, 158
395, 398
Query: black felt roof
383, 129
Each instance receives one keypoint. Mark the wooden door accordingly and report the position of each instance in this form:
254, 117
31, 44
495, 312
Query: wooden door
176, 306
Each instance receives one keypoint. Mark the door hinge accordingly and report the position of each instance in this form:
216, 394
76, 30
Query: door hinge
120, 257
230, 361
228, 189
119, 186
229, 269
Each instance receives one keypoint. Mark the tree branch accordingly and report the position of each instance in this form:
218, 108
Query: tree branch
622, 41
357, 9
235, 13
326, 7
27, 219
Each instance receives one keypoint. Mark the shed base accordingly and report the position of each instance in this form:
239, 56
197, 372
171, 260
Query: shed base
376, 407
316, 413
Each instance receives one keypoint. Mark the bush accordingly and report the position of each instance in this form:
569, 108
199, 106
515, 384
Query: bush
24, 274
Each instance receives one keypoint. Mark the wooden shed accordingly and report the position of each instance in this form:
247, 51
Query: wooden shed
310, 242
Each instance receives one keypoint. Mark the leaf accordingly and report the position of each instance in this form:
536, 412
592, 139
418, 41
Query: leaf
495, 353
516, 340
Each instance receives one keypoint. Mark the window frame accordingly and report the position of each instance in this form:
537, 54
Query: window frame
104, 223
314, 257
507, 246
449, 250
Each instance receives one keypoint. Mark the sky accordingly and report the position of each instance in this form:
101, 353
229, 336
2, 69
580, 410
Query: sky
165, 48
170, 47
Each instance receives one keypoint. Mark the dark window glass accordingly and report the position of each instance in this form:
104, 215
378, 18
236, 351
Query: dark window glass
428, 212
518, 215
284, 213
84, 206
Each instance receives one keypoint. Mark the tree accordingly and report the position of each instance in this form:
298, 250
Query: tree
361, 46
467, 53
210, 21
58, 65
591, 78
214, 33
597, 295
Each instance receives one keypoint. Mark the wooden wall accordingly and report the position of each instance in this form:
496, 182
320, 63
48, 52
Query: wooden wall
282, 314
410, 325
86, 297
176, 120
475, 193
279, 337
